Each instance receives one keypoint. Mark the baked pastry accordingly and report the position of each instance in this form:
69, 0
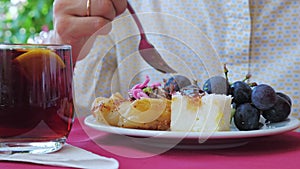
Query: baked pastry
146, 108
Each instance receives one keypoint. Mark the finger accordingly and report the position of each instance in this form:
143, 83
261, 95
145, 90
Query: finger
80, 27
102, 8
120, 6
70, 7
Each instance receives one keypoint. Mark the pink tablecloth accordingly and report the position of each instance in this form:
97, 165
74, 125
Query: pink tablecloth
280, 151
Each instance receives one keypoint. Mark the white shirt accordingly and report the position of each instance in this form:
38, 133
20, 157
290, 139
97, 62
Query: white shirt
197, 37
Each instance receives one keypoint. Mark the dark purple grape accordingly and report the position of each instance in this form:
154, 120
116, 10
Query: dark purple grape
279, 112
247, 117
263, 97
234, 105
175, 83
286, 97
217, 85
241, 92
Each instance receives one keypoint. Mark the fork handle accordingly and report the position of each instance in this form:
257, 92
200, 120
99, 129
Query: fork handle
137, 21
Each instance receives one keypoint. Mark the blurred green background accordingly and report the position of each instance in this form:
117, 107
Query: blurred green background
21, 20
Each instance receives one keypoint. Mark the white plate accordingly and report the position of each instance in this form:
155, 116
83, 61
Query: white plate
221, 139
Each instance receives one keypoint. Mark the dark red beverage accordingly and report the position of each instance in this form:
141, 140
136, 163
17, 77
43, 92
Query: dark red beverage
36, 101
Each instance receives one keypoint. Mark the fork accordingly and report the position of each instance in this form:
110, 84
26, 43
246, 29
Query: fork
147, 50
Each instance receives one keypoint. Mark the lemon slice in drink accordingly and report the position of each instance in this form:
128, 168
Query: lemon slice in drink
36, 61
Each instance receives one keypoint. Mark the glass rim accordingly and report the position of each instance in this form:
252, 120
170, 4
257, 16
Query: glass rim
11, 46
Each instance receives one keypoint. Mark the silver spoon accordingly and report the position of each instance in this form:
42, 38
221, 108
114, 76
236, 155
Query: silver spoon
147, 50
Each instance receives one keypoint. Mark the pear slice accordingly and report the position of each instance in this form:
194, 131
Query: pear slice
143, 110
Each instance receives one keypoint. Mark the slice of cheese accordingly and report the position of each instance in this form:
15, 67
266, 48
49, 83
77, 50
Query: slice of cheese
208, 113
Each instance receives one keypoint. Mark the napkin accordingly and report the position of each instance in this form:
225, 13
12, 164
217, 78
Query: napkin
68, 156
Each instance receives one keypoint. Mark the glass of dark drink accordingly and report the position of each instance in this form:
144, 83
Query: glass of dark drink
36, 103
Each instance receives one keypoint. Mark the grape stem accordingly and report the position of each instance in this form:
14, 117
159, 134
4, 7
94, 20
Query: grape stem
252, 84
226, 72
248, 76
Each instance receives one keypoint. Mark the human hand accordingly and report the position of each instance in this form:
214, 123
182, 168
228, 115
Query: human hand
73, 26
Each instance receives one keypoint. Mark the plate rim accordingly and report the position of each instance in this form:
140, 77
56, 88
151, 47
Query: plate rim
290, 124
